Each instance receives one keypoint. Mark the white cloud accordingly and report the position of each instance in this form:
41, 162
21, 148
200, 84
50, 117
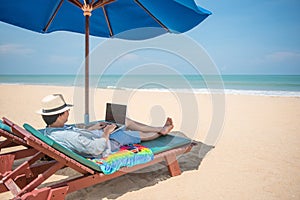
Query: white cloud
282, 56
6, 49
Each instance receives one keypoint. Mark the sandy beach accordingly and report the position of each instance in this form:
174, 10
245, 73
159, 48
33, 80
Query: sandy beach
256, 154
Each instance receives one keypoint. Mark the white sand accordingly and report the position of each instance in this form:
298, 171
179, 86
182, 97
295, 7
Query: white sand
256, 156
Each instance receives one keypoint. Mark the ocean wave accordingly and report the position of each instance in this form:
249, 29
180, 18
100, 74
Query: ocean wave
42, 84
215, 91
263, 93
280, 93
12, 84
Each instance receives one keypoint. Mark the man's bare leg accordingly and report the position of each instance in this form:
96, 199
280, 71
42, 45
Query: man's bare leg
149, 132
148, 136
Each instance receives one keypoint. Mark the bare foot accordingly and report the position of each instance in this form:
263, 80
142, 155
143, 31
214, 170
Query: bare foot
167, 127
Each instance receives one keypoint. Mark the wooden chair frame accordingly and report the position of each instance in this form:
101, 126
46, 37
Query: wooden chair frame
24, 180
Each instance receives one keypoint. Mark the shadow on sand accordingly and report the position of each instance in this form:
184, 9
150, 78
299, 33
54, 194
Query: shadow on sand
149, 176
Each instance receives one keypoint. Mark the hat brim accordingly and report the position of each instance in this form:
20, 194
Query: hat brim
41, 111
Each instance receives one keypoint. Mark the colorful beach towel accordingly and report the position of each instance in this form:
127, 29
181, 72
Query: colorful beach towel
127, 156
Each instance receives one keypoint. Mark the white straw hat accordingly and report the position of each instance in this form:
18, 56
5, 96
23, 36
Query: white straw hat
53, 104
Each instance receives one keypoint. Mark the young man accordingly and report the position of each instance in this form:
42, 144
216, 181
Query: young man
98, 140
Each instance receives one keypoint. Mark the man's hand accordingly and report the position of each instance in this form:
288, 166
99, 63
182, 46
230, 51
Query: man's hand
98, 126
109, 128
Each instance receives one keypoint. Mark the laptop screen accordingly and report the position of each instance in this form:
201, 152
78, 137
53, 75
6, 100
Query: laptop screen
115, 113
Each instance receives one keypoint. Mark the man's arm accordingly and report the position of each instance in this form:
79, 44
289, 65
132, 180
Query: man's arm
97, 146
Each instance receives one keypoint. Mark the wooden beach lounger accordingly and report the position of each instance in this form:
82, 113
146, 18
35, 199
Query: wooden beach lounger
24, 180
12, 140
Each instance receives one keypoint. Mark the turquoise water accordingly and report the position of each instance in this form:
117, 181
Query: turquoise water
254, 84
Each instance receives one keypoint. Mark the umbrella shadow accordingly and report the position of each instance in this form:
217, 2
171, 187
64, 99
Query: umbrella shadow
146, 177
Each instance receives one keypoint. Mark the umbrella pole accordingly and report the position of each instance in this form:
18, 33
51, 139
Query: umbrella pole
87, 33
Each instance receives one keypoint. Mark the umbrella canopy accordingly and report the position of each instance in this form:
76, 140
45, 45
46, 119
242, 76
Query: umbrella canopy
103, 18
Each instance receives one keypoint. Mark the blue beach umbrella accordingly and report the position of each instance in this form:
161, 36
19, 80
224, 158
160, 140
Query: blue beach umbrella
103, 18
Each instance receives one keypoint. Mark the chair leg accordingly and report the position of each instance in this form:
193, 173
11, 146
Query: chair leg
173, 165
6, 163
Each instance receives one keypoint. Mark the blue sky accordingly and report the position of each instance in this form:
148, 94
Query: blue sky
242, 37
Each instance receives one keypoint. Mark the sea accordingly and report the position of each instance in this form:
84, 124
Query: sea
266, 85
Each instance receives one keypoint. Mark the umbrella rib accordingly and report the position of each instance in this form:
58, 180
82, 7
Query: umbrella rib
149, 13
53, 15
108, 22
102, 3
76, 3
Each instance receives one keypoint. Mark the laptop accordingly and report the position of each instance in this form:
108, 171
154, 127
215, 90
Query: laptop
116, 114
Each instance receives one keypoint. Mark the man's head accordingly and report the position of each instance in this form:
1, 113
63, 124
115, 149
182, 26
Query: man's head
54, 109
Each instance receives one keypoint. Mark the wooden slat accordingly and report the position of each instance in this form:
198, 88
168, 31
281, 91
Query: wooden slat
19, 154
7, 143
